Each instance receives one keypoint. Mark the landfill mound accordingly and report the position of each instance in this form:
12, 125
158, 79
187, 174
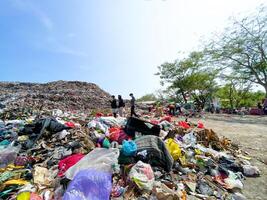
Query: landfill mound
64, 95
74, 156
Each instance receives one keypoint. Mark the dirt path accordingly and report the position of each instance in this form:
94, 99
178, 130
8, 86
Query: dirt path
251, 134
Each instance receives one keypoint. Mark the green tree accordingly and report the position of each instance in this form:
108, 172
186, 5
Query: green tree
242, 49
189, 77
233, 95
148, 97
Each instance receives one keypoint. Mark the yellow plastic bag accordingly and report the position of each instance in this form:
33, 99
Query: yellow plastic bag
183, 161
173, 148
24, 196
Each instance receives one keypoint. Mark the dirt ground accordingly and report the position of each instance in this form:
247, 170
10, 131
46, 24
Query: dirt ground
250, 132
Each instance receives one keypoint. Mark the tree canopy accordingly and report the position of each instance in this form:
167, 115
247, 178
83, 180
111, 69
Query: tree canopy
242, 49
189, 77
228, 66
148, 97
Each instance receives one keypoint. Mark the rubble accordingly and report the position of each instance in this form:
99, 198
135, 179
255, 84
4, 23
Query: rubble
63, 95
69, 155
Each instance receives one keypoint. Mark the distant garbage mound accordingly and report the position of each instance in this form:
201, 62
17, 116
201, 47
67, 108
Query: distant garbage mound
64, 95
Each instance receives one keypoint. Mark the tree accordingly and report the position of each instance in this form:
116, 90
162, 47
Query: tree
189, 77
242, 49
233, 94
148, 97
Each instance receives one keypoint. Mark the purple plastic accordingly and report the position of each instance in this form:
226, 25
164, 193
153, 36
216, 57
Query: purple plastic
89, 185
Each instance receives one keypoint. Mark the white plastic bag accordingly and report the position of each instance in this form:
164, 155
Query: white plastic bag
98, 125
190, 139
100, 159
233, 181
143, 175
250, 170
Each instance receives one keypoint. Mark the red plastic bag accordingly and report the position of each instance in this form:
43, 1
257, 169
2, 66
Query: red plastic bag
70, 124
183, 124
67, 162
99, 114
123, 136
154, 121
118, 135
114, 133
200, 125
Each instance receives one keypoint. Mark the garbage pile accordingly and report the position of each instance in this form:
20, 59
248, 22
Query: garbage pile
63, 95
72, 157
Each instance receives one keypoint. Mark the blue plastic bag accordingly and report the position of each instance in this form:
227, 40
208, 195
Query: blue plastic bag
89, 185
129, 148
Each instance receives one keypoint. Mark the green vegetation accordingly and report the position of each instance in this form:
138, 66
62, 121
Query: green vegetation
228, 67
148, 97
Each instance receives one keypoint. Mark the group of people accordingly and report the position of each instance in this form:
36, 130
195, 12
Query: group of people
117, 106
263, 106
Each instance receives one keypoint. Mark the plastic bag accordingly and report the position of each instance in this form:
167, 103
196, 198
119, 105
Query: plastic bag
8, 155
57, 112
67, 162
106, 143
233, 181
190, 139
162, 192
166, 125
250, 170
123, 136
89, 184
183, 124
173, 148
42, 176
143, 175
28, 196
98, 125
23, 196
154, 121
99, 158
114, 134
200, 125
110, 121
70, 124
62, 134
129, 148
99, 114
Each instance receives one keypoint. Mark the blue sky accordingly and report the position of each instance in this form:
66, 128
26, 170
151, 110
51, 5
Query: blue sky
116, 44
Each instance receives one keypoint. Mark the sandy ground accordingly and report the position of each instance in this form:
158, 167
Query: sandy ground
250, 133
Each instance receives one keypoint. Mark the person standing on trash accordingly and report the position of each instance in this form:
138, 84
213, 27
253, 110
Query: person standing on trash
133, 105
121, 105
114, 106
178, 108
171, 107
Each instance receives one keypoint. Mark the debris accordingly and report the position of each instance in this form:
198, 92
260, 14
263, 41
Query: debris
59, 154
142, 175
